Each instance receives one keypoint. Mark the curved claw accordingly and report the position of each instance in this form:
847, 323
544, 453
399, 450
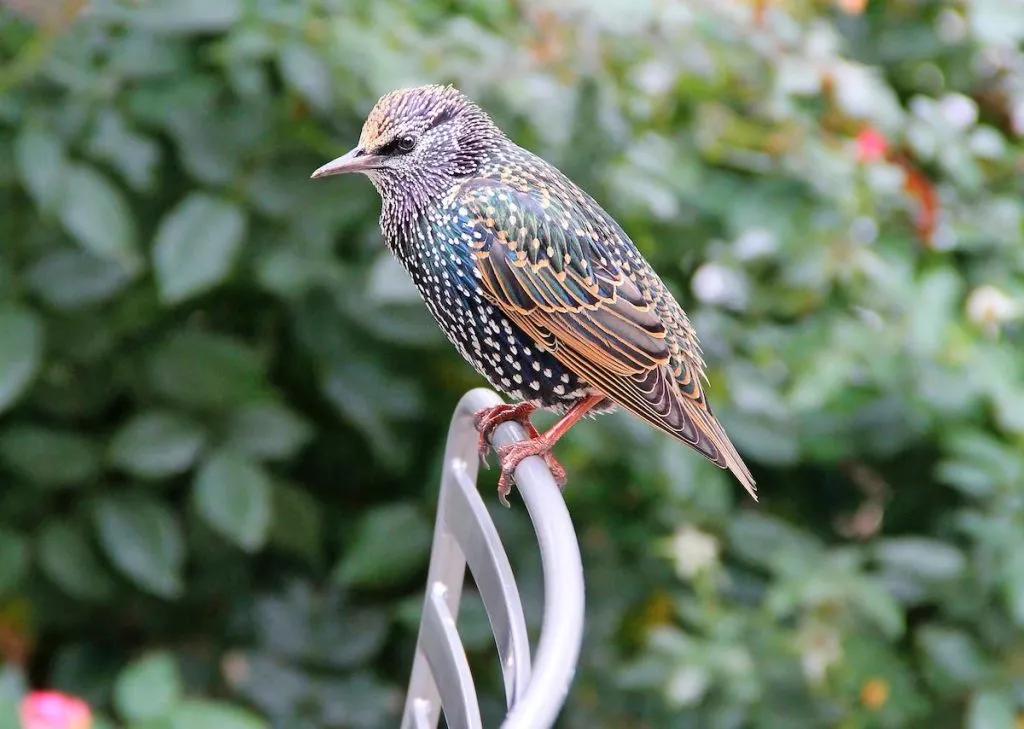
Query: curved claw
487, 419
511, 456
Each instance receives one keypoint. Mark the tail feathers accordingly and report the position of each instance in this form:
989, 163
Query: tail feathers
714, 444
656, 398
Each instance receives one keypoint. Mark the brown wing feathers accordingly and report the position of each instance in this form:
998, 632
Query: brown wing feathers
601, 324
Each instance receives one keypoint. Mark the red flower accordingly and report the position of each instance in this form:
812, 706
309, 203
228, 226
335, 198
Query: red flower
54, 710
871, 145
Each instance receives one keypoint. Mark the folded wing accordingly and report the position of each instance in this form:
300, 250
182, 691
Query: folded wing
555, 268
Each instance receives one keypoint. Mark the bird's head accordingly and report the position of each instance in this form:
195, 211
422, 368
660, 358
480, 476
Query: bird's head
416, 143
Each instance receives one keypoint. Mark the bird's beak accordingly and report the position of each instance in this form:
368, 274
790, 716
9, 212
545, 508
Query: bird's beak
356, 160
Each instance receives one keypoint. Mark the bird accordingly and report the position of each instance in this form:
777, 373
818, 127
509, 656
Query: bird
531, 280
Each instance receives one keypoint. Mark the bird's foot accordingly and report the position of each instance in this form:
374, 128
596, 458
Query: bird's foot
511, 456
487, 419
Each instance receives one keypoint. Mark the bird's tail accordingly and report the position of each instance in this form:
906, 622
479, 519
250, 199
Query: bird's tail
711, 440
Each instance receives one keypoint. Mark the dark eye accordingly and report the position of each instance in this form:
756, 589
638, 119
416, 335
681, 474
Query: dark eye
401, 145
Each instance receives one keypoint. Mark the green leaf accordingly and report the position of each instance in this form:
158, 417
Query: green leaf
13, 685
68, 279
928, 559
267, 430
148, 688
377, 557
955, 654
203, 714
881, 607
206, 370
184, 17
9, 716
298, 526
157, 444
771, 542
96, 213
991, 710
232, 493
272, 685
130, 153
13, 560
307, 72
356, 700
21, 352
1013, 580
67, 557
928, 320
996, 23
143, 539
51, 458
42, 165
196, 246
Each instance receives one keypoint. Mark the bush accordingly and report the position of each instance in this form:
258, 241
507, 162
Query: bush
222, 405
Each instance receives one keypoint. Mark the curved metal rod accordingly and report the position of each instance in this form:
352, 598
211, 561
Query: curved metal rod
448, 663
447, 567
554, 664
467, 517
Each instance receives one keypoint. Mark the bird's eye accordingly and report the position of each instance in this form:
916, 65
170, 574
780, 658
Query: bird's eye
401, 145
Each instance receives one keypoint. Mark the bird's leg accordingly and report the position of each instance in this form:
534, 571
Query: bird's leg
487, 419
541, 444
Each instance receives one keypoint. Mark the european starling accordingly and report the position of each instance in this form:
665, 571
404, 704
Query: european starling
534, 283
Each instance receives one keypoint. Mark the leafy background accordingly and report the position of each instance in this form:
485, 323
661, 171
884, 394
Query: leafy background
222, 407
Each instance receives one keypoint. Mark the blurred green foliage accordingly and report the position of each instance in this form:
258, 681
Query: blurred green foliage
222, 405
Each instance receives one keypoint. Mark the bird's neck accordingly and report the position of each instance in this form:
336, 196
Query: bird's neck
406, 204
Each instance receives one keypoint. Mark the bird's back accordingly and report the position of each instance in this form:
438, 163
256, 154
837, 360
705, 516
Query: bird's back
525, 171
669, 394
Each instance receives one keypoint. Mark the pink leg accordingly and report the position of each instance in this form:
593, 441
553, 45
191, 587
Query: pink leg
541, 445
488, 419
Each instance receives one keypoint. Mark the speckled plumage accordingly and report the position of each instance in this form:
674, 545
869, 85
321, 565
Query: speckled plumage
533, 282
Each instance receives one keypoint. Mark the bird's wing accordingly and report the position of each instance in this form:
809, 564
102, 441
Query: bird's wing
547, 264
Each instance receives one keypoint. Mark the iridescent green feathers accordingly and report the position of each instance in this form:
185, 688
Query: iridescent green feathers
561, 268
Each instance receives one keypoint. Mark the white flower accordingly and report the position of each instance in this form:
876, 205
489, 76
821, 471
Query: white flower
755, 243
686, 686
720, 285
989, 307
819, 647
960, 112
693, 551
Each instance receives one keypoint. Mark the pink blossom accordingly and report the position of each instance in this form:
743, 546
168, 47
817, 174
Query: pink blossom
871, 145
54, 710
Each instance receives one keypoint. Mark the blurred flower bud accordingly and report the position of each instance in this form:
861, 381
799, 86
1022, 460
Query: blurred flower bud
852, 7
720, 285
871, 145
54, 710
988, 307
755, 243
693, 551
960, 112
819, 648
686, 686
